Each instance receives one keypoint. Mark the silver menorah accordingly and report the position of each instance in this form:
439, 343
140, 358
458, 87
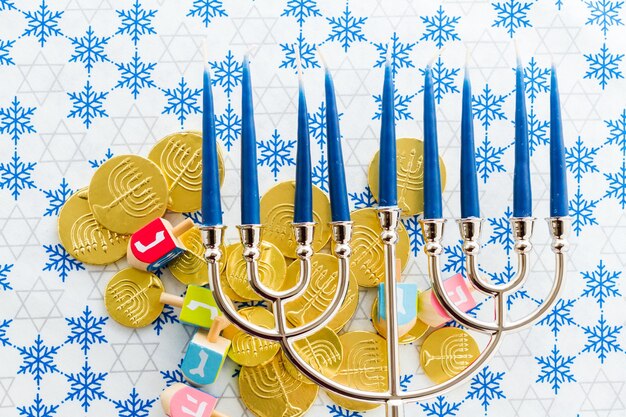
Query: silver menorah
470, 228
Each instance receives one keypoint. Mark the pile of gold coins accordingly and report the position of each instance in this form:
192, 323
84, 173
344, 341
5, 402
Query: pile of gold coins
129, 192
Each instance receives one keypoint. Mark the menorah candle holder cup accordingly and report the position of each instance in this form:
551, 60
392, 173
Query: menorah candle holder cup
433, 230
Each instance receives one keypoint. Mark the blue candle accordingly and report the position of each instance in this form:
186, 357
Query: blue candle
432, 176
211, 202
303, 211
558, 172
469, 183
522, 196
336, 174
387, 180
249, 175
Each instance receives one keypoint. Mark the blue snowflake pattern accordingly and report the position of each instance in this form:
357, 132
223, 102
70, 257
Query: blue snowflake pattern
38, 359
88, 104
182, 101
15, 175
537, 131
276, 153
581, 210
440, 28
346, 29
5, 50
57, 197
603, 66
363, 199
601, 283
227, 73
89, 49
512, 15
443, 80
228, 127
399, 54
248, 304
485, 386
555, 369
4, 326
207, 10
401, 106
301, 10
602, 339
42, 23
135, 75
7, 5
414, 229
317, 125
579, 159
319, 175
604, 14
337, 411
60, 261
38, 409
441, 407
488, 107
301, 48
86, 330
536, 79
5, 285
558, 4
617, 185
15, 120
96, 163
617, 131
489, 159
133, 406
174, 376
501, 234
167, 316
85, 386
504, 277
405, 380
455, 261
136, 22
559, 316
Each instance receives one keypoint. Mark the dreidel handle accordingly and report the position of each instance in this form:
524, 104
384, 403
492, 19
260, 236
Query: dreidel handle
171, 299
398, 269
182, 227
219, 324
216, 413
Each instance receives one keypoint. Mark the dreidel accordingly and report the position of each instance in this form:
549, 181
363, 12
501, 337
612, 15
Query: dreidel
205, 354
406, 302
198, 307
156, 244
460, 292
180, 400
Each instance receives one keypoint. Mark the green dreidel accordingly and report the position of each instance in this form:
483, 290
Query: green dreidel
198, 307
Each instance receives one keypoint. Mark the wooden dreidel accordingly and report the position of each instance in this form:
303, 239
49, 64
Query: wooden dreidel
136, 298
460, 292
180, 400
206, 354
156, 244
406, 296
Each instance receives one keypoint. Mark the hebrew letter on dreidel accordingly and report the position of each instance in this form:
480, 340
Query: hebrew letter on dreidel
156, 244
180, 400
199, 370
158, 238
206, 354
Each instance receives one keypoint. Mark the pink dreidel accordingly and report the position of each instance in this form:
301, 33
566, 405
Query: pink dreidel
156, 244
180, 400
430, 310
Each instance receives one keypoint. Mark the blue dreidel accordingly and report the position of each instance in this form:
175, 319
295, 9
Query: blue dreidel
406, 301
206, 354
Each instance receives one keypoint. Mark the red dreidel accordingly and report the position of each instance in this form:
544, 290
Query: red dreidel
206, 354
430, 310
180, 400
156, 244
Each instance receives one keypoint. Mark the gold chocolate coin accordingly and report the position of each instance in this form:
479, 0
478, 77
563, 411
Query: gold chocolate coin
368, 260
446, 352
86, 239
270, 391
191, 267
320, 292
132, 297
322, 350
272, 268
410, 154
364, 367
277, 207
248, 350
419, 329
179, 156
226, 288
127, 192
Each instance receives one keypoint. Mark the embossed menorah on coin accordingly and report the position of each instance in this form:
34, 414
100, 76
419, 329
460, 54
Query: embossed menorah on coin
470, 228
